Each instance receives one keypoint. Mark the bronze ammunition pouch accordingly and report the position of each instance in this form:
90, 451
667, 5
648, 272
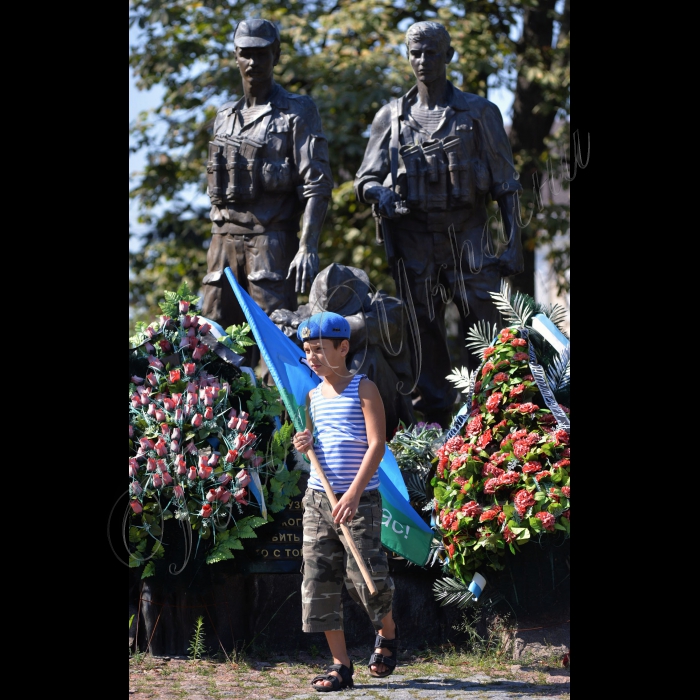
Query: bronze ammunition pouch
217, 175
237, 173
243, 165
440, 174
277, 176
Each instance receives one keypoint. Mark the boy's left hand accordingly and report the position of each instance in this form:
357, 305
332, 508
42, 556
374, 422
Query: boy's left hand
345, 508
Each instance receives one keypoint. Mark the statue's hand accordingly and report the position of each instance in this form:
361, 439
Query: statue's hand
305, 264
386, 201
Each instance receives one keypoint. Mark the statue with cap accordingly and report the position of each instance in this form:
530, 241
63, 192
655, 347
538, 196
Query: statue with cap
378, 334
268, 176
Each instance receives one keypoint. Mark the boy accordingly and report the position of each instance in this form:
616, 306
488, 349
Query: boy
345, 426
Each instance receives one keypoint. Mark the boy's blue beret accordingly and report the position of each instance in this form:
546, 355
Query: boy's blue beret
323, 325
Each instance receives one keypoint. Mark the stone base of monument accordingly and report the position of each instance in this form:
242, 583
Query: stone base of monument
254, 600
262, 611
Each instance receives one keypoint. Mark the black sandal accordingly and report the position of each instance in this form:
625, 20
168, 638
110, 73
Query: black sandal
345, 680
389, 661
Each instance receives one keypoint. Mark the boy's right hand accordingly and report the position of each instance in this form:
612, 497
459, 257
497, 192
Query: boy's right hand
303, 441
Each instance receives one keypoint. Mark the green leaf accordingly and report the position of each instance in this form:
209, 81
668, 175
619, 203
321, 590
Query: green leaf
149, 570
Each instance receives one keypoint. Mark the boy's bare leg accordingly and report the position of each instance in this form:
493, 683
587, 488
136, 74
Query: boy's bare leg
336, 642
388, 631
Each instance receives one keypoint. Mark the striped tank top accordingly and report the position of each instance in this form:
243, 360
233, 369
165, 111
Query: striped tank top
340, 437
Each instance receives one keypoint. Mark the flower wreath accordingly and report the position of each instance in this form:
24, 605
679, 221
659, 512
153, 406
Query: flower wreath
504, 478
202, 437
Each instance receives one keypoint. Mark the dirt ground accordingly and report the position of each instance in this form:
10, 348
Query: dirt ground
281, 677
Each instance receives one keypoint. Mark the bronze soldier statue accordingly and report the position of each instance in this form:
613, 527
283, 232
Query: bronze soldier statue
268, 167
435, 157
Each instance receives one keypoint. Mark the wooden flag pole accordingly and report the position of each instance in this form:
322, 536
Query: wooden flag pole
344, 528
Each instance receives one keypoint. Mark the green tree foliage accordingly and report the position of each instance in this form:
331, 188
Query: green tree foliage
349, 55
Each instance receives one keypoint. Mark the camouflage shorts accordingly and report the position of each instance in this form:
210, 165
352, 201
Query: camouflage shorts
327, 564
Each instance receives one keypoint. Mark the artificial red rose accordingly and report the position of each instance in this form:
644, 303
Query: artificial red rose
477, 387
486, 368
566, 452
178, 491
491, 469
199, 352
167, 479
181, 465
150, 464
161, 447
500, 377
484, 439
157, 481
547, 519
501, 518
133, 466
499, 458
509, 478
471, 509
547, 419
528, 407
152, 379
240, 496
506, 335
508, 535
137, 380
491, 485
531, 467
488, 515
502, 363
522, 500
518, 342
197, 420
474, 426
553, 494
190, 368
206, 510
225, 495
459, 480
208, 413
136, 506
192, 474
488, 352
451, 550
566, 490
493, 402
242, 424
165, 345
154, 362
561, 463
183, 306
561, 437
225, 479
249, 454
204, 472
231, 456
211, 495
520, 356
151, 410
174, 375
455, 525
204, 328
243, 478
516, 390
244, 415
520, 448
135, 488
175, 446
542, 475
